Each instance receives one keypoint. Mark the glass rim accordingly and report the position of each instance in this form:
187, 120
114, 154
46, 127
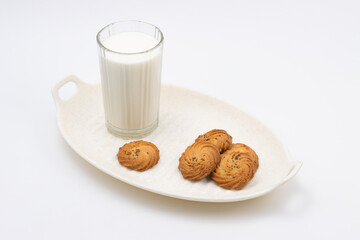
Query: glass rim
134, 53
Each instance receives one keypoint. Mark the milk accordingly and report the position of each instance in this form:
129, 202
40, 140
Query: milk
131, 81
130, 42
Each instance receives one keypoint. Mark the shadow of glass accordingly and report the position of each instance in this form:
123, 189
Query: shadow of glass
288, 199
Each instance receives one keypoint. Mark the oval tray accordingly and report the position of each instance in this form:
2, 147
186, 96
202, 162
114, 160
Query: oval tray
184, 114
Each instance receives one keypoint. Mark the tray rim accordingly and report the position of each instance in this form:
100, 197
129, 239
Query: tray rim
296, 165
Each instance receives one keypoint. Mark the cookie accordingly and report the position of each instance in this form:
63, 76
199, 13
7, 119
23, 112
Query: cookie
138, 155
237, 167
240, 147
218, 137
199, 160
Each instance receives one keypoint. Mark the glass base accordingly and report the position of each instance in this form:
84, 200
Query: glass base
131, 134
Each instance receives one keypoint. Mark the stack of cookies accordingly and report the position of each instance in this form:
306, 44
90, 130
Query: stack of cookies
231, 166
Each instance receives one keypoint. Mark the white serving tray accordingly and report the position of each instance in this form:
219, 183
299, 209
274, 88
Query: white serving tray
184, 114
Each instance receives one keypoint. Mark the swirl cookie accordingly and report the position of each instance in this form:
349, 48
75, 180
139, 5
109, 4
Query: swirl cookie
237, 167
138, 155
199, 160
240, 147
218, 137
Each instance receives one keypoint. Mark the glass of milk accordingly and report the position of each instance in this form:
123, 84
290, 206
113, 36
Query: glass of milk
130, 54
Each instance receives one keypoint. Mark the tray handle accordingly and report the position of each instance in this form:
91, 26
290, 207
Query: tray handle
61, 83
294, 170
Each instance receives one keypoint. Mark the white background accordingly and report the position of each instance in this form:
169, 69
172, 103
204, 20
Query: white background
295, 65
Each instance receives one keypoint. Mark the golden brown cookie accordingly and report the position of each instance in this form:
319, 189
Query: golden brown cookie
199, 160
240, 147
138, 155
218, 137
237, 167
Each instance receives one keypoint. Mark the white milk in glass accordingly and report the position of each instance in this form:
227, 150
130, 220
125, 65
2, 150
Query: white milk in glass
131, 78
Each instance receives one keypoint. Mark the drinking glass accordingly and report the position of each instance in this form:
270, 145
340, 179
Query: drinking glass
130, 80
